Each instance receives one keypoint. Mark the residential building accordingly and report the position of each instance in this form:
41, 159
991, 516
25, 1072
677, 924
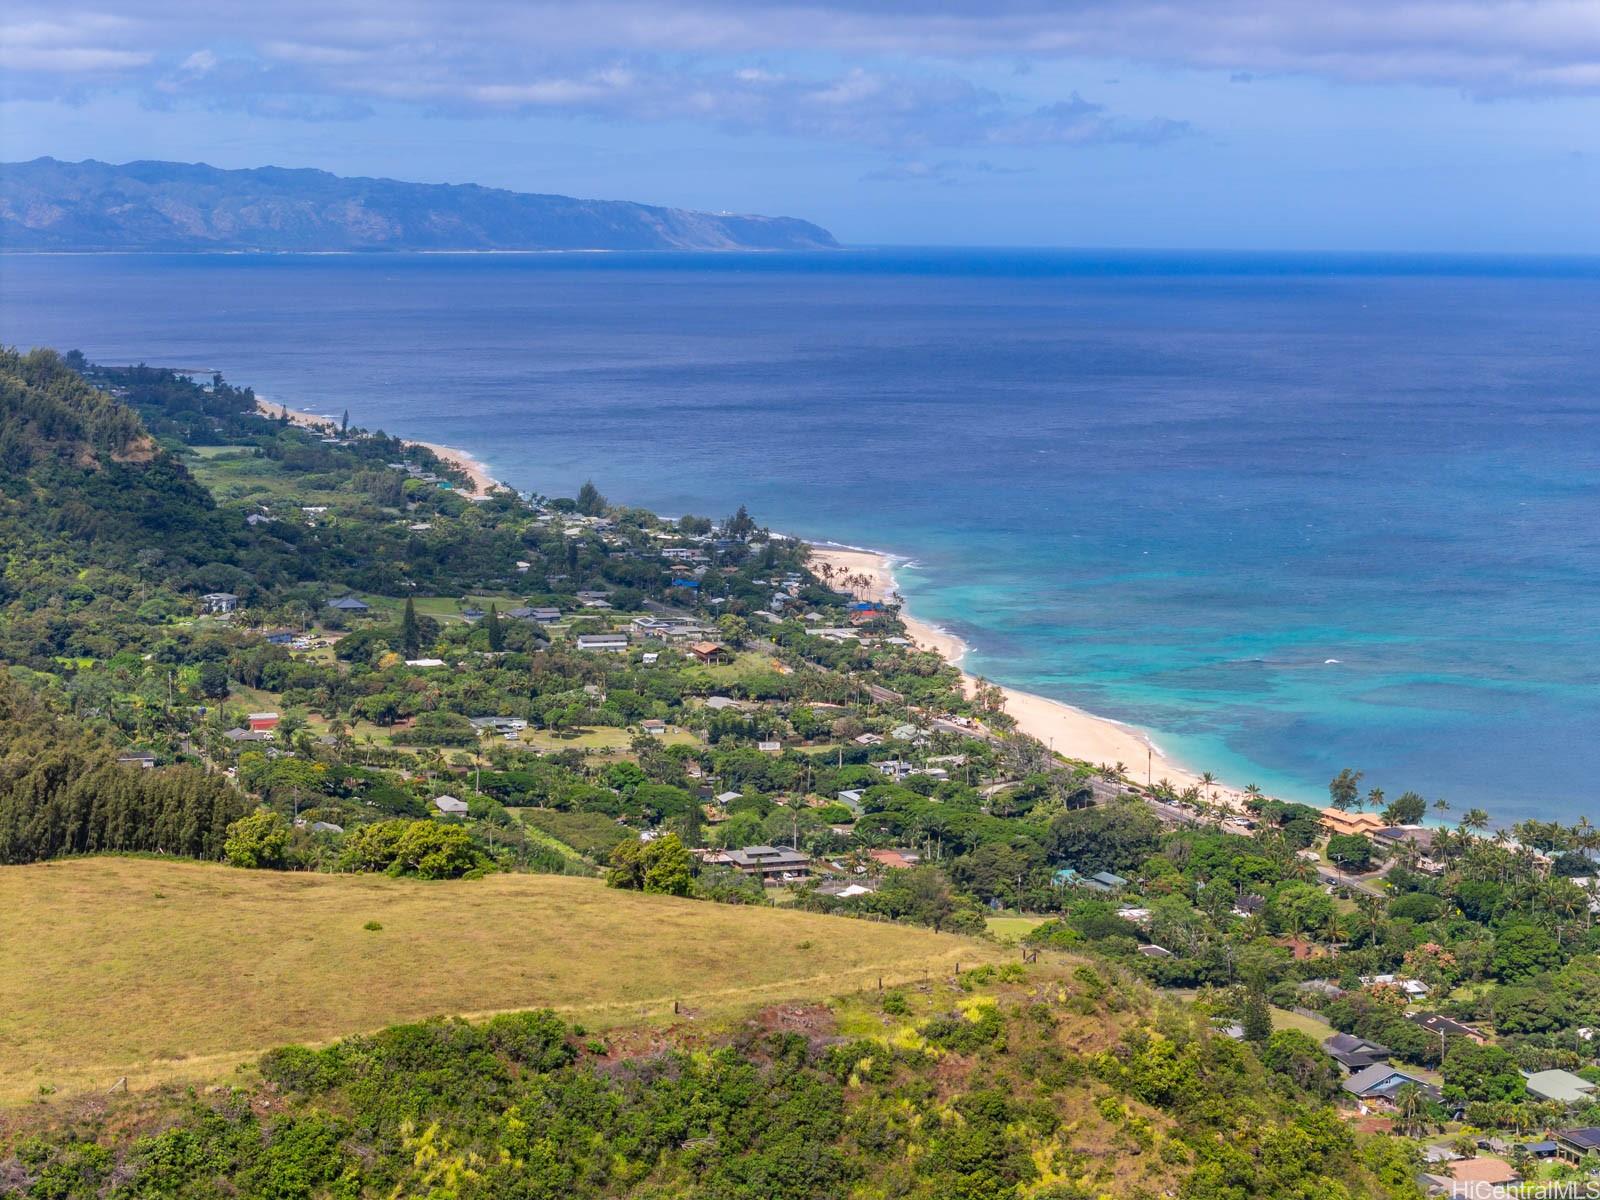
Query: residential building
1335, 821
1381, 1081
721, 703
144, 761
1562, 1087
895, 860
770, 747
1482, 1177
1412, 989
501, 725
262, 722
1443, 1026
1576, 1144
709, 652
349, 604
220, 603
1354, 1053
770, 864
616, 643
450, 806
654, 727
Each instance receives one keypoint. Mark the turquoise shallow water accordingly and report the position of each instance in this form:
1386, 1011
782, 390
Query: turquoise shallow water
1166, 488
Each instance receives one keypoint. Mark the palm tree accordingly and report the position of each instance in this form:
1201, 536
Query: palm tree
1441, 806
1409, 1103
1475, 819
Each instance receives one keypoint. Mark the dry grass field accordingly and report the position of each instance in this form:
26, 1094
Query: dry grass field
162, 970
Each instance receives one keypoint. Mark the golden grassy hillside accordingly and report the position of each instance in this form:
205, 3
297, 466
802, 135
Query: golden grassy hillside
158, 969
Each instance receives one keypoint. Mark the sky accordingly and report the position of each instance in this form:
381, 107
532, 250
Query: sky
1410, 125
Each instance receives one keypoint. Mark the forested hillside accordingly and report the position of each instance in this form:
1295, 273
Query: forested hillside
62, 791
1043, 1083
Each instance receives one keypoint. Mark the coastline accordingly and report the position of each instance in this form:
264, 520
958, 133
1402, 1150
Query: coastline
1068, 730
869, 574
474, 469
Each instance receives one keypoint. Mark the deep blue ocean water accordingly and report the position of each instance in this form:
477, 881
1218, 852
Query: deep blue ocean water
1168, 488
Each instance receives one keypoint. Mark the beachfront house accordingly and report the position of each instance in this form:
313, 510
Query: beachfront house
1336, 821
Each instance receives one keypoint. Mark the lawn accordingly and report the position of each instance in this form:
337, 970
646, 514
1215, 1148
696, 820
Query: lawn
1313, 1027
167, 970
1012, 930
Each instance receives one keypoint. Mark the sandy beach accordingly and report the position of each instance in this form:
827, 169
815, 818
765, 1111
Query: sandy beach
1068, 730
482, 482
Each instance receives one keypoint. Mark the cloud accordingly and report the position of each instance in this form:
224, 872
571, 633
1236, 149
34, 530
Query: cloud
900, 76
945, 173
1488, 47
72, 45
1077, 122
907, 106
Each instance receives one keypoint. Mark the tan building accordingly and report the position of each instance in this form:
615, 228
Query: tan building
1335, 821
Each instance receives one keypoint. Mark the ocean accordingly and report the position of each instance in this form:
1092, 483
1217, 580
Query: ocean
1289, 513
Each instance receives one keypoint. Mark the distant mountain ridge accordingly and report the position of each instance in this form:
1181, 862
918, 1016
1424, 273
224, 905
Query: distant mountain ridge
47, 204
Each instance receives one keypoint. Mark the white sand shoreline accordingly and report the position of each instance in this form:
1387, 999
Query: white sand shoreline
475, 469
1068, 730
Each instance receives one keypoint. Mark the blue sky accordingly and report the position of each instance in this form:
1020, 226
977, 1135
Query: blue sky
1341, 124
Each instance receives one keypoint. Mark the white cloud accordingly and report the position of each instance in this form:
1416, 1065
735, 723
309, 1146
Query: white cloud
898, 76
